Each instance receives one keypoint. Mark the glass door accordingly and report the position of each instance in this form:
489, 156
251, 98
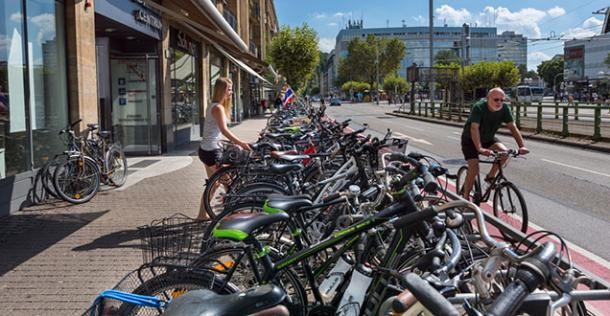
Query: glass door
135, 115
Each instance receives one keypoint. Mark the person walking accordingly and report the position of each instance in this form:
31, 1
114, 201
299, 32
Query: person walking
478, 136
215, 125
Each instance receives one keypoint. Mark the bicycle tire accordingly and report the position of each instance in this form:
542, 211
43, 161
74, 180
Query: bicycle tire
460, 180
48, 172
223, 177
77, 180
506, 195
172, 284
116, 166
228, 262
255, 193
38, 194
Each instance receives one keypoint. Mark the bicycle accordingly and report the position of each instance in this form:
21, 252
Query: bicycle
508, 202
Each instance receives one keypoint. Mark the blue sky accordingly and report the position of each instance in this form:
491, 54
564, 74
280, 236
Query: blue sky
534, 19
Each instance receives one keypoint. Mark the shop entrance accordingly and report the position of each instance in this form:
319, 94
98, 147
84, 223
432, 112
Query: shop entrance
135, 107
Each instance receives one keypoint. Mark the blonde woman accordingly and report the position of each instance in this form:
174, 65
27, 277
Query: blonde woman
215, 125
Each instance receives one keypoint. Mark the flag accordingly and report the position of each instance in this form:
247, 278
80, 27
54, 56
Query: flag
288, 96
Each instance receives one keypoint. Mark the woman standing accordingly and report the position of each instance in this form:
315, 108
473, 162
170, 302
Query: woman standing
215, 124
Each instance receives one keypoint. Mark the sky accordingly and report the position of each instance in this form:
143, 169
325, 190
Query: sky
540, 19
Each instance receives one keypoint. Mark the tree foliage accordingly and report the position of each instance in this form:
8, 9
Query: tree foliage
355, 86
395, 85
446, 57
366, 56
489, 74
295, 55
549, 69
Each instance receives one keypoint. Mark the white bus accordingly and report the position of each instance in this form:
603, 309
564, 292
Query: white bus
529, 94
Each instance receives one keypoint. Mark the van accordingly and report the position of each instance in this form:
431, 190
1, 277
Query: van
529, 94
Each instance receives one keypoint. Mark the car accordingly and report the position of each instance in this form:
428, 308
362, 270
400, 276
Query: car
335, 102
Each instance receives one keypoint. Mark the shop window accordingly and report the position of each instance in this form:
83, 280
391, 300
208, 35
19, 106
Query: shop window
14, 141
185, 97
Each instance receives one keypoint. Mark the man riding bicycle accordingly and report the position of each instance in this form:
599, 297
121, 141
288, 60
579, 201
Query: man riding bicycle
478, 136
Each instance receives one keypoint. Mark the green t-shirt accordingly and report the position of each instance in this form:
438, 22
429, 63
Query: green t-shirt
489, 122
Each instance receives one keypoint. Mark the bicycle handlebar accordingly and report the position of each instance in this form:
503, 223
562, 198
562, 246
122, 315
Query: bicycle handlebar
428, 296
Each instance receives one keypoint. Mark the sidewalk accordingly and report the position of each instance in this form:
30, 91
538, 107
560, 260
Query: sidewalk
56, 258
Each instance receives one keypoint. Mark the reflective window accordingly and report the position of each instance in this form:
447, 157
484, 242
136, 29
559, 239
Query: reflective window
48, 104
185, 99
14, 141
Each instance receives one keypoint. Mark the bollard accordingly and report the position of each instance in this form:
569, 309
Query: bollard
576, 111
460, 108
597, 124
426, 109
412, 107
524, 109
556, 110
518, 115
539, 119
419, 108
432, 108
564, 130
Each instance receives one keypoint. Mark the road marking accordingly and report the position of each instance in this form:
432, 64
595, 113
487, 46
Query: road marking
417, 140
454, 138
457, 133
577, 168
414, 128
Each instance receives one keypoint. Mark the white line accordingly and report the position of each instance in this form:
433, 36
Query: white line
414, 128
417, 140
454, 138
457, 133
577, 168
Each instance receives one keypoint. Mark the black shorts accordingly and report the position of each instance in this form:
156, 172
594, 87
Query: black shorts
470, 152
210, 157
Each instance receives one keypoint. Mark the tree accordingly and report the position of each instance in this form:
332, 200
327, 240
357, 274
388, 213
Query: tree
395, 86
295, 54
446, 57
489, 74
365, 57
549, 69
522, 71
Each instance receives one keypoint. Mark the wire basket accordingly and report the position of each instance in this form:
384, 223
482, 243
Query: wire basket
177, 239
398, 145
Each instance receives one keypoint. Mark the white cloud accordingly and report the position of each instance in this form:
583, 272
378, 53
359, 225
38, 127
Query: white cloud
450, 14
16, 17
46, 26
342, 14
420, 20
332, 24
535, 58
319, 16
326, 44
591, 26
556, 11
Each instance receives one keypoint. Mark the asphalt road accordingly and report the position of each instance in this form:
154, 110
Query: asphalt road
567, 190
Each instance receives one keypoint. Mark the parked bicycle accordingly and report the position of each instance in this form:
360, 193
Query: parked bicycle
508, 202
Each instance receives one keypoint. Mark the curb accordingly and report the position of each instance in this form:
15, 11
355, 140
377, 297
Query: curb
503, 131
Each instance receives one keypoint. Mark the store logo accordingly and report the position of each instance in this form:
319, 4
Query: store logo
183, 42
148, 19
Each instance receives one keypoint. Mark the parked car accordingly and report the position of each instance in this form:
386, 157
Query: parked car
335, 102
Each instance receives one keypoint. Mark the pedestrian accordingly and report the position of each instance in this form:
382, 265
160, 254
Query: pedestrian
215, 125
478, 136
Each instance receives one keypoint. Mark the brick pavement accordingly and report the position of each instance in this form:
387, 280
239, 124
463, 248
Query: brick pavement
56, 258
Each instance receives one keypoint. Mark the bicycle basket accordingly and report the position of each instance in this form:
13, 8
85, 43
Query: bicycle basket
233, 155
398, 145
177, 239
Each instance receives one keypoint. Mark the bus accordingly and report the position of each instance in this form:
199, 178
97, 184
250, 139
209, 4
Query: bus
529, 94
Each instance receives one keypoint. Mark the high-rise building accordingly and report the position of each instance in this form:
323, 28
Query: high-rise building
512, 47
584, 58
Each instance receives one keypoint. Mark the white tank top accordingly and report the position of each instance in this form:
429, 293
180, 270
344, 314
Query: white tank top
211, 133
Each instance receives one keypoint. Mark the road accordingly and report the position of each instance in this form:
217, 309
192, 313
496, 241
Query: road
567, 190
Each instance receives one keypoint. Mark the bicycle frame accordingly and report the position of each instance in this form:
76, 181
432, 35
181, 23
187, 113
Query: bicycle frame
481, 196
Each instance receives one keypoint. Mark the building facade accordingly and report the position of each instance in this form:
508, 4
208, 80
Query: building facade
142, 69
482, 44
512, 47
584, 59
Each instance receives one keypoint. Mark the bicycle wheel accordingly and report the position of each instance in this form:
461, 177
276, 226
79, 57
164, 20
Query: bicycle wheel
170, 285
48, 172
38, 193
461, 179
116, 166
509, 206
216, 187
236, 265
77, 180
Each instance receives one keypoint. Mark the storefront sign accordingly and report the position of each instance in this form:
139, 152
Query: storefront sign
148, 19
184, 42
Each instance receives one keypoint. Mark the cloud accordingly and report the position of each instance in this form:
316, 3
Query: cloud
319, 16
332, 24
46, 26
524, 21
16, 17
535, 58
450, 14
420, 20
342, 14
326, 44
556, 11
590, 27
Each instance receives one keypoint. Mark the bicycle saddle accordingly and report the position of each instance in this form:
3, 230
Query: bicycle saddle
207, 303
285, 168
105, 134
239, 227
292, 158
285, 205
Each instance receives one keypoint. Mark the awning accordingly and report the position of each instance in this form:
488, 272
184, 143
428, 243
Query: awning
241, 64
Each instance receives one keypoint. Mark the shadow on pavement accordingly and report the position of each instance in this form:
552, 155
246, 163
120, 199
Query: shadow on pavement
120, 239
24, 236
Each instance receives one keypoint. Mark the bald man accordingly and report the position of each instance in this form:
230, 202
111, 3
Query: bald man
479, 134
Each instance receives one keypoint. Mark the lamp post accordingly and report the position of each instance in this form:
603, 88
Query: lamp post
377, 69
